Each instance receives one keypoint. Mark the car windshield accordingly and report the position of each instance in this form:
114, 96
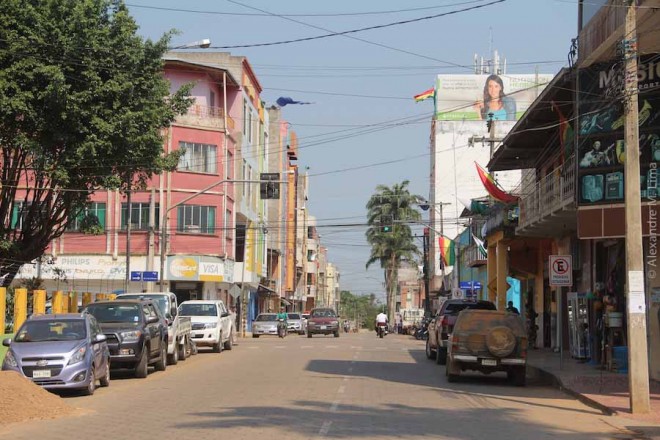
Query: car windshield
161, 300
323, 314
293, 315
109, 313
199, 310
55, 330
268, 317
455, 308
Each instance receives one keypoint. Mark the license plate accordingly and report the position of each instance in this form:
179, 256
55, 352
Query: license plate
323, 327
489, 362
40, 374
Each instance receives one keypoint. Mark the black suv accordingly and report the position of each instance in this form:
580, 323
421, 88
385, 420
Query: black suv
136, 333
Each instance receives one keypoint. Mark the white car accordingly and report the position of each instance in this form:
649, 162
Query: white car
212, 324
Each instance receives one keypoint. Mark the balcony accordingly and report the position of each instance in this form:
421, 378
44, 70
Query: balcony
205, 117
501, 218
472, 256
548, 206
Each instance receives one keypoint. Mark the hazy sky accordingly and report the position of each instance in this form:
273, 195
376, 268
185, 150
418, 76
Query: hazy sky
355, 84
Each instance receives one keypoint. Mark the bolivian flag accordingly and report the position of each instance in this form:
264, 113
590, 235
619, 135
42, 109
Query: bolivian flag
430, 93
493, 188
447, 250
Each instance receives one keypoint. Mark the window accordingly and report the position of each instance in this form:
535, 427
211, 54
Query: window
212, 100
229, 166
245, 176
196, 219
227, 224
310, 255
20, 212
245, 111
310, 279
139, 216
94, 209
200, 158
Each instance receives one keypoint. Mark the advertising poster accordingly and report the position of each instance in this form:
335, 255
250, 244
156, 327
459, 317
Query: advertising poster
601, 146
474, 97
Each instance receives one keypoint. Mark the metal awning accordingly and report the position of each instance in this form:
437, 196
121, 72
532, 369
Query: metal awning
538, 127
285, 301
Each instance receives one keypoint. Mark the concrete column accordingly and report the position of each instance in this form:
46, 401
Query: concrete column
58, 302
538, 296
73, 302
39, 302
87, 298
502, 272
491, 268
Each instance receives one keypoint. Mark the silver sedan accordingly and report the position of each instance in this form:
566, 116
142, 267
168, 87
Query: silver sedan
264, 324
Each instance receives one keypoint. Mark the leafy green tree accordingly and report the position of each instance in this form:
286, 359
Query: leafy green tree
392, 206
361, 308
83, 105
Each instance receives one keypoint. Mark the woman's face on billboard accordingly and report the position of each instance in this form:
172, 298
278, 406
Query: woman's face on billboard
494, 89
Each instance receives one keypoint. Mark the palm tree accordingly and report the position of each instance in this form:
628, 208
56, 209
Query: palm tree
394, 208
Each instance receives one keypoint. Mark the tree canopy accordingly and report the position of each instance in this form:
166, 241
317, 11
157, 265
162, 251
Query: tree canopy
83, 105
390, 211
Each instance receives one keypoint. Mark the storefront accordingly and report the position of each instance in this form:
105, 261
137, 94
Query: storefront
200, 277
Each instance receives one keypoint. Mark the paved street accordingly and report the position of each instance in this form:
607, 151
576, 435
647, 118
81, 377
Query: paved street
356, 386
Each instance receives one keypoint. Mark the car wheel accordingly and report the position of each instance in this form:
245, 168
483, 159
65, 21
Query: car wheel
105, 380
161, 365
181, 348
429, 350
517, 376
255, 336
229, 343
451, 371
217, 348
337, 334
441, 356
173, 358
142, 368
91, 387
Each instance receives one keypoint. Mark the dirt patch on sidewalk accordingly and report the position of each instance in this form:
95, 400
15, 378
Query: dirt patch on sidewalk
22, 400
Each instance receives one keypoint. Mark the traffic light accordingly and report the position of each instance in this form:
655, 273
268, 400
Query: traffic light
386, 228
386, 224
270, 186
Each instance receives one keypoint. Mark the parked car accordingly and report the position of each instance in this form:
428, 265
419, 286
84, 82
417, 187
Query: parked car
323, 321
442, 325
212, 325
65, 351
136, 333
179, 343
488, 341
294, 323
264, 324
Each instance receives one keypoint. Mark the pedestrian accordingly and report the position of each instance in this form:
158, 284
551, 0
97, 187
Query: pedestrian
510, 308
232, 313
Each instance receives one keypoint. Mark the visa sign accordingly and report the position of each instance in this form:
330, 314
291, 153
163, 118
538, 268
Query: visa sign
211, 271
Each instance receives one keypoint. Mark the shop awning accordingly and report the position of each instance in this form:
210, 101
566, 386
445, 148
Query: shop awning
286, 302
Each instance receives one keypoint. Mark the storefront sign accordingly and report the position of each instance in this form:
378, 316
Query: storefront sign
196, 268
636, 297
561, 270
82, 267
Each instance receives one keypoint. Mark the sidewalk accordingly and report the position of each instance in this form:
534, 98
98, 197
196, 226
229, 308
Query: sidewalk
601, 389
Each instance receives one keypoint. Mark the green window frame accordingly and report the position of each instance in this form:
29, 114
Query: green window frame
139, 216
195, 219
97, 209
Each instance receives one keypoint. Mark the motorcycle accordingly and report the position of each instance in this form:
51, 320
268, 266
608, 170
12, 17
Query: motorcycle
422, 331
281, 328
381, 329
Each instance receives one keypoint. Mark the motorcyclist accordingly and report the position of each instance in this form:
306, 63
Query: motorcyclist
281, 319
381, 320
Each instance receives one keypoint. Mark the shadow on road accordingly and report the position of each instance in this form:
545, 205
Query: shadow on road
307, 418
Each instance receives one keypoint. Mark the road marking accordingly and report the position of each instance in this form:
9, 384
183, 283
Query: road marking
253, 348
306, 346
325, 428
279, 346
341, 389
347, 377
334, 406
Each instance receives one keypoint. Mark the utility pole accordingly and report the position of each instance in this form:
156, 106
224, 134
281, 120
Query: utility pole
152, 235
129, 220
638, 376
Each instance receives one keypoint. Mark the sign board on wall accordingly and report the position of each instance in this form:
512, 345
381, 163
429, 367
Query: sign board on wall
561, 270
196, 268
469, 97
83, 267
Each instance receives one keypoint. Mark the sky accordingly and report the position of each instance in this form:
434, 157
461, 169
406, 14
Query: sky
364, 128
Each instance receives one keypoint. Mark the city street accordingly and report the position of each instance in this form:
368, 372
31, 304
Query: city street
353, 387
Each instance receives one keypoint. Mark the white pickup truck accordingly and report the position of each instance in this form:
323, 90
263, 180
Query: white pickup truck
212, 324
179, 328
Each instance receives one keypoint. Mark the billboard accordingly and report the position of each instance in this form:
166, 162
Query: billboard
474, 97
601, 145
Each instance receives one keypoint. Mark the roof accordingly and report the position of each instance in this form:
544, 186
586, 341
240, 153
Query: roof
49, 317
209, 67
537, 128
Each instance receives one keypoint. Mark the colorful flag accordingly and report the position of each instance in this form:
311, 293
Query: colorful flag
447, 250
480, 245
565, 132
430, 93
493, 188
474, 206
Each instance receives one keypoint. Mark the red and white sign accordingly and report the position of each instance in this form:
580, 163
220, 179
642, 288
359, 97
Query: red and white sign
561, 270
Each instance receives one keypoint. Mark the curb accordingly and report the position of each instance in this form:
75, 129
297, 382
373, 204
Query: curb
557, 383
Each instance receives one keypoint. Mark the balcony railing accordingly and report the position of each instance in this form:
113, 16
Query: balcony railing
205, 116
549, 195
473, 257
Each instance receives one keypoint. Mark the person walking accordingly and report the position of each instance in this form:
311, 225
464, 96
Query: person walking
510, 308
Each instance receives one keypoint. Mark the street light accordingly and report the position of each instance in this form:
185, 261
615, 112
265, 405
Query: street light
201, 44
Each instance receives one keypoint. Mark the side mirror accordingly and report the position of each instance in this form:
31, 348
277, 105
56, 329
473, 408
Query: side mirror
100, 338
224, 315
153, 320
6, 342
173, 311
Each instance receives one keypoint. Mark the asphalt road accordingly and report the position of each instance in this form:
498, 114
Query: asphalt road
352, 387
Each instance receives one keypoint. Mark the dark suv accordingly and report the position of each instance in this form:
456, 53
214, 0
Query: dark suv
323, 321
442, 325
136, 333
